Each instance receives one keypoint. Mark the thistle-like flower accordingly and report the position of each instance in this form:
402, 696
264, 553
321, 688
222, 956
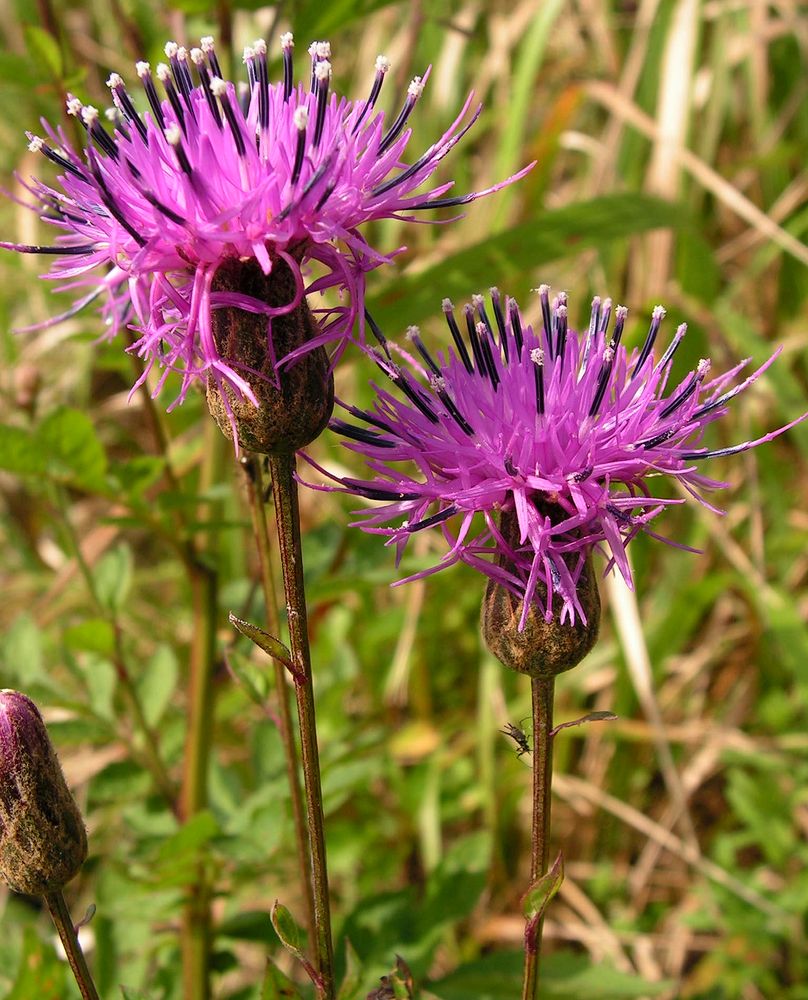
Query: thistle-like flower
554, 437
213, 173
42, 838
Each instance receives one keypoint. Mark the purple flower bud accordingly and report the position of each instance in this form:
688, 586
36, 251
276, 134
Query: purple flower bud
43, 842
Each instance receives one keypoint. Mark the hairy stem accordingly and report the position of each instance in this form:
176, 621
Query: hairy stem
287, 515
255, 494
55, 901
542, 695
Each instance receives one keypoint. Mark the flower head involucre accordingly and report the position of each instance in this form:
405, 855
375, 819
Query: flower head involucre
559, 433
212, 173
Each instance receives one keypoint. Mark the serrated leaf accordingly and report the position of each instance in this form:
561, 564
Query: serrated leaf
71, 450
538, 896
277, 986
157, 683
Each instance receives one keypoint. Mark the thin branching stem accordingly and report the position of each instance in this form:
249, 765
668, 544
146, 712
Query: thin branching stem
55, 901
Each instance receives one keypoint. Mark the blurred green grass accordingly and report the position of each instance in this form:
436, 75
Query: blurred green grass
643, 119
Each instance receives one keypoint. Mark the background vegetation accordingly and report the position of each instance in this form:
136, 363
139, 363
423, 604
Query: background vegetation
671, 138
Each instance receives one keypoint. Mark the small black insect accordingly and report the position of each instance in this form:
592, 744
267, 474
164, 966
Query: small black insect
518, 736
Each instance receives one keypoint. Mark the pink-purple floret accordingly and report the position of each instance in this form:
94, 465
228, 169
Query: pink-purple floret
509, 419
149, 211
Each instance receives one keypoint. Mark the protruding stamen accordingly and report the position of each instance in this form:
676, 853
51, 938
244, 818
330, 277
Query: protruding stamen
260, 47
74, 106
591, 333
144, 72
89, 118
484, 333
561, 330
603, 380
474, 340
414, 91
451, 322
124, 102
322, 72
414, 336
537, 357
516, 326
695, 380
667, 357
657, 315
38, 145
198, 59
219, 89
164, 76
605, 317
382, 66
108, 200
173, 136
479, 304
496, 303
301, 121
380, 337
546, 318
208, 48
620, 315
413, 392
288, 44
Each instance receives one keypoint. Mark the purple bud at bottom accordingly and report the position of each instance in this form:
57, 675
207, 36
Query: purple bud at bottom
294, 403
542, 648
43, 842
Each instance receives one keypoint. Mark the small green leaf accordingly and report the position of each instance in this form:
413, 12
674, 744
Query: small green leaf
19, 452
71, 450
113, 577
22, 651
538, 896
44, 48
351, 987
93, 635
287, 930
589, 717
157, 683
270, 645
276, 985
129, 994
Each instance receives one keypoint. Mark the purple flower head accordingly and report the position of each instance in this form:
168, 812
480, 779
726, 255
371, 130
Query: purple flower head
560, 432
213, 172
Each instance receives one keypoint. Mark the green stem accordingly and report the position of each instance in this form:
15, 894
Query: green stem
255, 494
541, 689
196, 923
288, 523
55, 901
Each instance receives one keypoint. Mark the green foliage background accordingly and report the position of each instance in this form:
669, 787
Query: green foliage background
671, 138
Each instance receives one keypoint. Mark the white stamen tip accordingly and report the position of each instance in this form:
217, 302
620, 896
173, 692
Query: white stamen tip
115, 80
703, 367
182, 53
607, 303
197, 57
477, 301
163, 72
382, 64
301, 118
112, 115
36, 144
561, 311
260, 47
543, 290
681, 330
412, 333
416, 88
313, 49
218, 87
322, 71
493, 291
206, 43
447, 306
287, 40
537, 356
621, 312
482, 329
608, 355
249, 53
142, 69
173, 135
437, 383
658, 313
323, 50
89, 115
73, 106
596, 302
171, 49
